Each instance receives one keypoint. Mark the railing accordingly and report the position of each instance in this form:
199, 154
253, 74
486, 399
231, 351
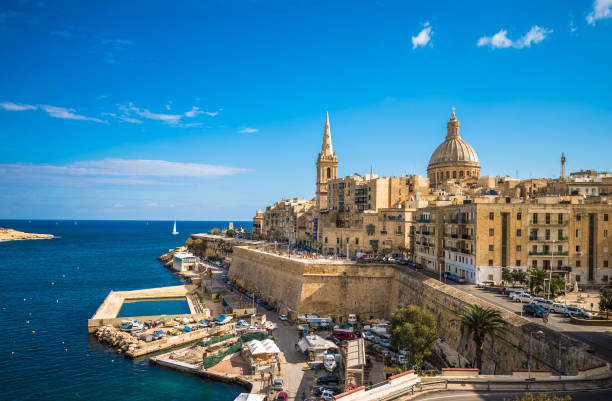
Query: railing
454, 236
548, 253
466, 236
550, 223
532, 238
424, 219
466, 251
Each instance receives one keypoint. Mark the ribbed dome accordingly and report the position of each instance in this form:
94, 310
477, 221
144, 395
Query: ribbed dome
453, 150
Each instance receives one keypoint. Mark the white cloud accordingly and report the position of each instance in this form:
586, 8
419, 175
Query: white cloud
247, 130
423, 38
113, 172
501, 41
9, 106
602, 9
171, 119
53, 111
62, 112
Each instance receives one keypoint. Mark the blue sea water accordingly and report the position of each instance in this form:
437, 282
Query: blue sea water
48, 290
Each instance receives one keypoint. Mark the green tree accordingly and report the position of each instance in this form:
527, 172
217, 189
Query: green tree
507, 275
536, 283
519, 276
556, 286
215, 231
480, 323
414, 330
605, 301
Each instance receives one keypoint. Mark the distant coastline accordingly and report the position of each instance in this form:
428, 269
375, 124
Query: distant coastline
8, 234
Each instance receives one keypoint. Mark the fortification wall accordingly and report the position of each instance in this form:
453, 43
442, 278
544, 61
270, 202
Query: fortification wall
299, 286
553, 350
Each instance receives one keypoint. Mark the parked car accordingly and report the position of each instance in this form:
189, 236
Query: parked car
418, 266
575, 311
328, 379
370, 337
282, 396
282, 317
277, 384
333, 390
522, 297
401, 359
327, 396
385, 352
486, 283
545, 303
535, 310
385, 343
556, 307
536, 300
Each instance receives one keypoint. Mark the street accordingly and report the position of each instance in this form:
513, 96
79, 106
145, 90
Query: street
585, 395
598, 338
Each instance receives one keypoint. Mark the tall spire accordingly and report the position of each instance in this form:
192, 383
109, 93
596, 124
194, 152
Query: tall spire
452, 127
326, 147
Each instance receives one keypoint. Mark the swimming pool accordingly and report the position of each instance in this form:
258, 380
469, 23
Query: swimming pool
143, 307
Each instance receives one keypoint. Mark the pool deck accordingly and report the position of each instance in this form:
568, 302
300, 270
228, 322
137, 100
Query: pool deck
109, 309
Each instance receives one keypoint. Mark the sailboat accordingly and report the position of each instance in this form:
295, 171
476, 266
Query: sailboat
174, 232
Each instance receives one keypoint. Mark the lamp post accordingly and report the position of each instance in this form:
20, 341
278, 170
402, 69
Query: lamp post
552, 257
538, 333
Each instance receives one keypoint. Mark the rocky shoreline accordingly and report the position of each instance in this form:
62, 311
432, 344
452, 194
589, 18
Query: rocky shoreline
116, 338
8, 234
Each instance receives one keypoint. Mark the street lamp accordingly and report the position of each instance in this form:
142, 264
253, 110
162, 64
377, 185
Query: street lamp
537, 333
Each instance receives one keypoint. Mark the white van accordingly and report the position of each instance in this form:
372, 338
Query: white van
352, 319
556, 307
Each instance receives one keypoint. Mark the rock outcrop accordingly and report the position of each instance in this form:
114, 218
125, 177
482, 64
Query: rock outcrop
116, 338
8, 234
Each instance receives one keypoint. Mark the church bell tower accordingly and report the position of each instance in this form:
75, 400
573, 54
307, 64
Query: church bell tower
327, 166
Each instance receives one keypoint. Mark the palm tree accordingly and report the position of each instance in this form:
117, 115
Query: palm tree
480, 322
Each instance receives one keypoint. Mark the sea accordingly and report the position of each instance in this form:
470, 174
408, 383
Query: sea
48, 290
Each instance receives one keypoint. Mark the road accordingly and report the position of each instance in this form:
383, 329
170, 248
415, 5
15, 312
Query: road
598, 338
585, 395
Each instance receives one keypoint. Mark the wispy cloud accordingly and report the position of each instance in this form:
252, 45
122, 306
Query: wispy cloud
113, 172
248, 130
9, 106
127, 112
501, 41
6, 17
111, 47
423, 37
53, 111
602, 9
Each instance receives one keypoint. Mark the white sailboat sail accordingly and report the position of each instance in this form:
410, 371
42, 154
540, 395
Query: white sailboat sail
174, 232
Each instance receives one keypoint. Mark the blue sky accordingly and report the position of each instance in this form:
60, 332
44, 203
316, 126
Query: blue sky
212, 109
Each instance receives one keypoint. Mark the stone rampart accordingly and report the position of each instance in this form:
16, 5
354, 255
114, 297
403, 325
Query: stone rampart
299, 286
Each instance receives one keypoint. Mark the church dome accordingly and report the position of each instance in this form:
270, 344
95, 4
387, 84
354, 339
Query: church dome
454, 151
454, 158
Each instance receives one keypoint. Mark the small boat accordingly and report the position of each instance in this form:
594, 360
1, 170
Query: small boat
174, 232
329, 363
222, 319
187, 329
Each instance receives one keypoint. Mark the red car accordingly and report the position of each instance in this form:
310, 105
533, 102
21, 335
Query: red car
418, 266
282, 396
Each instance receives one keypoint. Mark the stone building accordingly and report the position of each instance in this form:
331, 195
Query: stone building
453, 220
476, 238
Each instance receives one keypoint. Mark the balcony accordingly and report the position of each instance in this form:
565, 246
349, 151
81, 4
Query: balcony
531, 253
454, 236
550, 223
466, 251
549, 239
424, 219
426, 233
466, 236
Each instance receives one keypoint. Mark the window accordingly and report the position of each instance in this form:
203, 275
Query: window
578, 217
461, 174
577, 233
577, 278
605, 233
577, 248
560, 218
518, 248
519, 232
547, 218
454, 174
356, 241
535, 218
491, 232
337, 240
605, 249
328, 172
447, 175
606, 264
577, 265
326, 240
491, 215
519, 216
347, 240
606, 217
490, 247
518, 262
490, 262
